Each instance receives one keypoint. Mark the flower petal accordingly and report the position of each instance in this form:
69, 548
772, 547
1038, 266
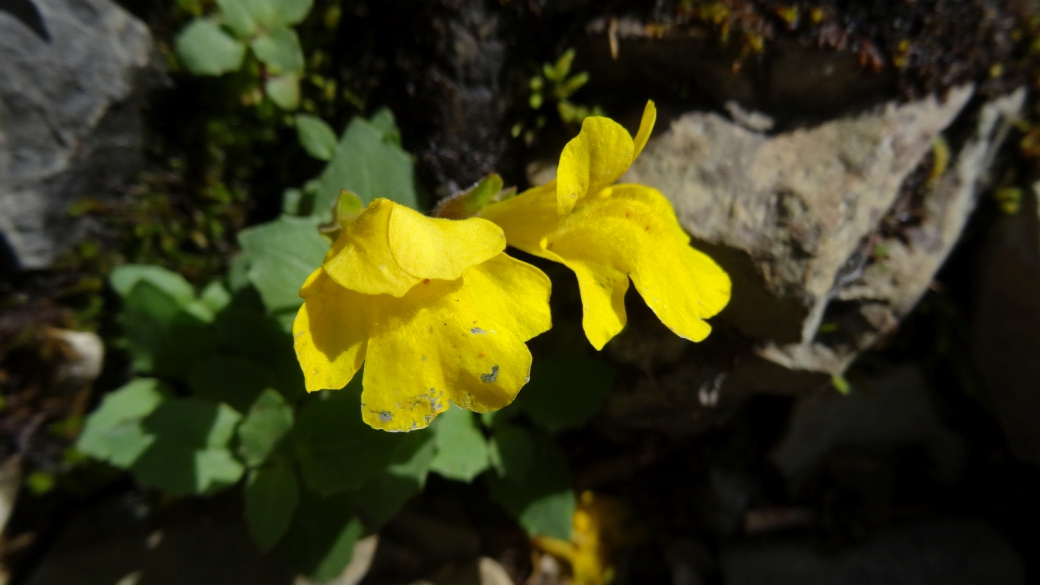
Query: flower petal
330, 333
507, 295
632, 230
461, 341
527, 218
437, 248
361, 260
646, 126
603, 300
597, 157
404, 386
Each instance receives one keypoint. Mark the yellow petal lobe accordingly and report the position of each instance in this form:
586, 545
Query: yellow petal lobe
633, 233
460, 341
526, 218
646, 126
426, 247
330, 333
597, 157
361, 259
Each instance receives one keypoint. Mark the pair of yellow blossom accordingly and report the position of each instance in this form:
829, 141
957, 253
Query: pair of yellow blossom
438, 312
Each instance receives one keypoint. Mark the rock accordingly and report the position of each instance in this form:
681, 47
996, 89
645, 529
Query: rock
879, 417
357, 569
84, 354
797, 218
1005, 324
10, 485
946, 552
123, 541
449, 58
70, 124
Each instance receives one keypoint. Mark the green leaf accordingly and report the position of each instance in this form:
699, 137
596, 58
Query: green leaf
511, 451
189, 454
543, 501
266, 422
215, 297
124, 278
462, 452
565, 391
264, 12
367, 164
113, 432
320, 541
244, 329
384, 495
279, 49
471, 201
205, 49
384, 120
237, 17
164, 336
271, 496
316, 136
336, 449
284, 91
282, 255
292, 12
234, 380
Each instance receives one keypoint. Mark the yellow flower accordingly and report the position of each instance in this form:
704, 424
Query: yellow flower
434, 309
609, 233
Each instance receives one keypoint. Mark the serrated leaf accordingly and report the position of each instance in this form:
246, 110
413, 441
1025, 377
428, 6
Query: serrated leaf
462, 452
320, 541
236, 16
205, 49
189, 454
125, 277
316, 136
279, 49
384, 495
234, 380
284, 91
282, 255
337, 451
266, 422
113, 432
271, 496
543, 502
565, 391
367, 164
511, 452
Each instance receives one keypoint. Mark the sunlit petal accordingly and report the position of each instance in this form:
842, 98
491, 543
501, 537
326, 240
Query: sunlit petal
330, 333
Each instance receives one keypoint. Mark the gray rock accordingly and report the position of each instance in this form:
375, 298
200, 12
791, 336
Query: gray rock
879, 417
795, 218
70, 125
1006, 325
949, 552
123, 541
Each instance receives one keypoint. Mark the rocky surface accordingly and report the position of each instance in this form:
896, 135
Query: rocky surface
1006, 325
70, 124
944, 552
800, 219
881, 417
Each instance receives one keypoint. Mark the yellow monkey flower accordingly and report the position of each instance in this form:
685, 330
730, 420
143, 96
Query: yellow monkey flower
434, 309
609, 233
